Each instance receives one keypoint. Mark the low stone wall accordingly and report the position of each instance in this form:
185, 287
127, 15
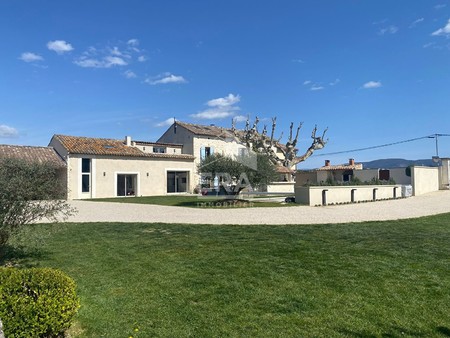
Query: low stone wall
282, 187
324, 195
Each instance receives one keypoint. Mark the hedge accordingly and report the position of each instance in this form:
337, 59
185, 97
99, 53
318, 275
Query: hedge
36, 302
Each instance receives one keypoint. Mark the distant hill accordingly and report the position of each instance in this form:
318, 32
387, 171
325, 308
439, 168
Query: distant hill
397, 163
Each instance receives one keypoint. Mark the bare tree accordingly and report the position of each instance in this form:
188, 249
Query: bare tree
262, 143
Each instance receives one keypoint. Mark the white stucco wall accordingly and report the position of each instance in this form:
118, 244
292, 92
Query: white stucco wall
151, 175
343, 194
181, 136
281, 187
424, 180
445, 174
148, 148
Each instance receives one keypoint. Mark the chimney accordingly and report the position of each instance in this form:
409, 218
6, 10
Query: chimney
327, 163
351, 161
128, 141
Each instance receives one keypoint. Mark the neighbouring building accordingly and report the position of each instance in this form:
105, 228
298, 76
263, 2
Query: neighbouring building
35, 154
315, 187
343, 173
202, 141
98, 167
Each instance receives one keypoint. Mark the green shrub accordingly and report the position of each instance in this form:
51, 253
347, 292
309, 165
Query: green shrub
37, 302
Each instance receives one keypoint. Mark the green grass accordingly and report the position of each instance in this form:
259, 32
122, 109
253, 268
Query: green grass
377, 279
192, 201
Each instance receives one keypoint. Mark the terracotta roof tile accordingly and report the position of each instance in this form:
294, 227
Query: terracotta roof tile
219, 132
32, 154
356, 166
283, 170
201, 130
109, 147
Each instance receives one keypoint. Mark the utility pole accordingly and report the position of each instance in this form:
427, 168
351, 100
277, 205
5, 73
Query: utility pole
436, 136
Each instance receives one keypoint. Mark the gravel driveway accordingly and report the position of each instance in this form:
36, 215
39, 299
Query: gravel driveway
429, 204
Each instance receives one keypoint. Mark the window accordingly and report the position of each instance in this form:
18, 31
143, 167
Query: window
206, 152
347, 175
126, 185
384, 175
160, 150
242, 152
85, 175
177, 181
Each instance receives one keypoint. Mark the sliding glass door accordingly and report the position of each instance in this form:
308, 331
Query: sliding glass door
126, 184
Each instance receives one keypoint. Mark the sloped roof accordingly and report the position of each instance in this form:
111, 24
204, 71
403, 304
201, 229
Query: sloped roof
214, 131
32, 154
110, 147
158, 144
356, 166
201, 130
283, 170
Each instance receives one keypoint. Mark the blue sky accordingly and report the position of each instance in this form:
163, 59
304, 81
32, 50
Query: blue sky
373, 72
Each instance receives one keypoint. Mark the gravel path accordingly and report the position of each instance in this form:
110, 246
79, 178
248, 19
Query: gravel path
429, 204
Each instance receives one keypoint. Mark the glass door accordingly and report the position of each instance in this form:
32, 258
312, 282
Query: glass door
126, 185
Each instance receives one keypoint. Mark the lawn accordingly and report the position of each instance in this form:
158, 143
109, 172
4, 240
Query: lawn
376, 279
193, 201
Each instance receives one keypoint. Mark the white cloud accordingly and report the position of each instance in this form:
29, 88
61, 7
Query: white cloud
114, 61
414, 23
105, 62
440, 6
166, 123
8, 132
445, 31
122, 54
316, 87
372, 84
240, 118
307, 82
59, 46
388, 30
133, 42
335, 82
212, 114
166, 78
142, 58
298, 61
129, 74
429, 44
221, 107
224, 101
30, 57
115, 51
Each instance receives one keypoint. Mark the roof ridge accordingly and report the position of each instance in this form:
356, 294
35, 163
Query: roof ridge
24, 146
89, 137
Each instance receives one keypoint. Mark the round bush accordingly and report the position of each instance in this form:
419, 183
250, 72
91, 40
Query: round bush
37, 302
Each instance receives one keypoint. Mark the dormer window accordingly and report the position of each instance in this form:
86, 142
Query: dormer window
159, 150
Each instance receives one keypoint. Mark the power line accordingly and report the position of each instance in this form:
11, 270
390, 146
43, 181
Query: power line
435, 136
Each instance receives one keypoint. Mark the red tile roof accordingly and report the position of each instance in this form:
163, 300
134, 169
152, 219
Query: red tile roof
214, 131
109, 147
283, 170
201, 130
356, 166
32, 154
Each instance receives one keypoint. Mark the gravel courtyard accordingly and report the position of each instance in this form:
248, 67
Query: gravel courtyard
429, 204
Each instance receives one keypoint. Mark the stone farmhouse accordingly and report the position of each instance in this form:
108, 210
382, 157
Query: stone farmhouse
100, 167
202, 141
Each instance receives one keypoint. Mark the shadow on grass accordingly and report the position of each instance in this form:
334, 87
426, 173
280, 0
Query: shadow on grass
393, 332
11, 255
443, 330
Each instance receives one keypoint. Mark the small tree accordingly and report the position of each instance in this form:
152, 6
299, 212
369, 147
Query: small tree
29, 191
243, 171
